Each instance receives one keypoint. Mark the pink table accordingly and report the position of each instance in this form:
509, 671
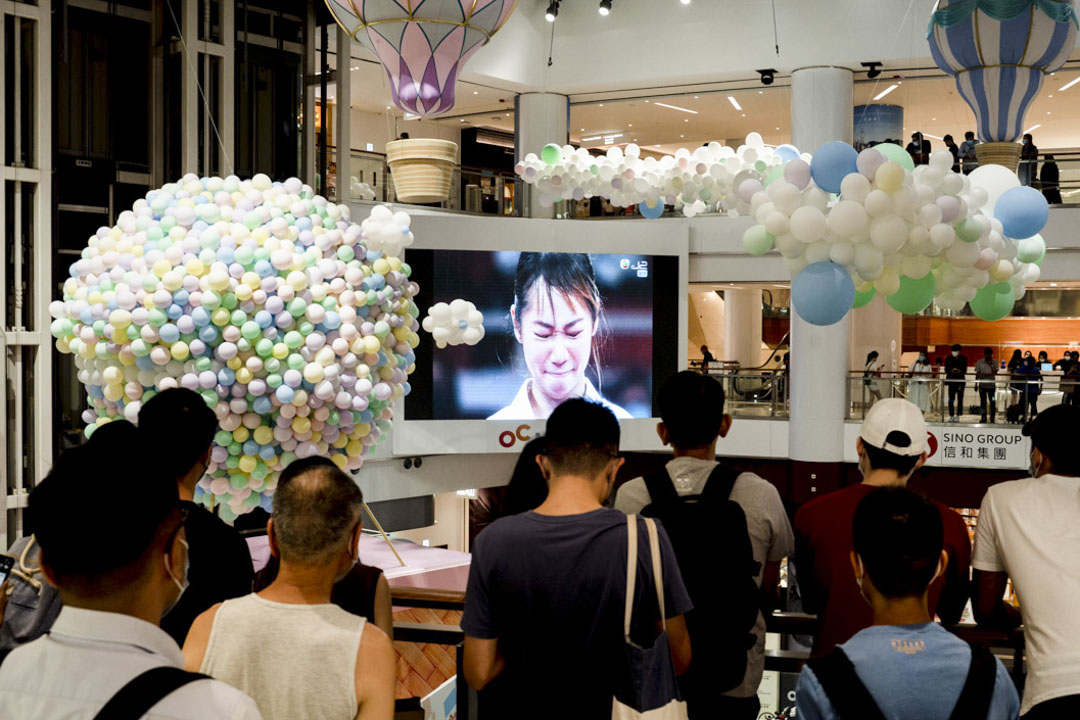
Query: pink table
425, 567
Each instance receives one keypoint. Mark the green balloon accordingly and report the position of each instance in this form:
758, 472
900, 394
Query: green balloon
551, 154
775, 174
1031, 249
757, 240
993, 302
896, 154
1039, 260
914, 296
863, 299
969, 230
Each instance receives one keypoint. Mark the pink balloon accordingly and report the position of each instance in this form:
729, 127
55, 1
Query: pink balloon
987, 258
797, 172
868, 161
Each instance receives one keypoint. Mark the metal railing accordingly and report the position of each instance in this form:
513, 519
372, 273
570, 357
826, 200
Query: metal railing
1009, 399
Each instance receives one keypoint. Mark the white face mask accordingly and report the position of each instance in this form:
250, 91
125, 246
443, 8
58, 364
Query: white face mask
181, 584
956, 353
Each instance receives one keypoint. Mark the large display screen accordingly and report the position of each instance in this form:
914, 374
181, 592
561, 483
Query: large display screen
557, 325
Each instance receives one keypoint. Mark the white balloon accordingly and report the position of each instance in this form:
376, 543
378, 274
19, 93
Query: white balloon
962, 255
854, 187
777, 223
888, 282
848, 218
842, 253
869, 261
878, 203
808, 224
916, 267
888, 233
785, 196
993, 180
943, 236
818, 252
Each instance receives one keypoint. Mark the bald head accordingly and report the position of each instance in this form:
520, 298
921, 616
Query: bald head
316, 510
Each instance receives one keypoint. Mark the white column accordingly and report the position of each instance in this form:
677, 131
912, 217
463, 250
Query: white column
343, 131
876, 327
742, 326
539, 119
822, 108
189, 88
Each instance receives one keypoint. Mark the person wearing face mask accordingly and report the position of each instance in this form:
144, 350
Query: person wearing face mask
288, 646
105, 647
986, 378
220, 561
892, 445
905, 666
919, 392
1027, 532
546, 595
956, 366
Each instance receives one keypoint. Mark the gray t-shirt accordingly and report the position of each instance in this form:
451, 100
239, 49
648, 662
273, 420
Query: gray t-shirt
766, 521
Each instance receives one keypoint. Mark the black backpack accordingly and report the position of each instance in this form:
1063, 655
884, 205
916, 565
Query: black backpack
712, 544
852, 701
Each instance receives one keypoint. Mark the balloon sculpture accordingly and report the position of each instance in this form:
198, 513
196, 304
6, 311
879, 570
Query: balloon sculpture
422, 44
999, 51
454, 323
296, 325
713, 176
915, 235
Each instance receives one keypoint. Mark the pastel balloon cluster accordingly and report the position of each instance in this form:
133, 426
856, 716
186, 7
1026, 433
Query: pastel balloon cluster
455, 323
295, 324
712, 177
915, 235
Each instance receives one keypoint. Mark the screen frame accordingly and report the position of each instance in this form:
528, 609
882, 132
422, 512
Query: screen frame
455, 232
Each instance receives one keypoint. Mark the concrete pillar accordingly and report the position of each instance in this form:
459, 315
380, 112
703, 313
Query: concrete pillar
822, 107
539, 119
742, 326
876, 327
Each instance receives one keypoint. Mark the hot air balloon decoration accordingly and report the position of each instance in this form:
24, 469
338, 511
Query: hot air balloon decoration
422, 44
999, 51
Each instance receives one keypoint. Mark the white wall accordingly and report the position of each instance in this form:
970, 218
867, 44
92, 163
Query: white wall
378, 129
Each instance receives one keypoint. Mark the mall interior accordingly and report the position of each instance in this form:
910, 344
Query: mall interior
688, 150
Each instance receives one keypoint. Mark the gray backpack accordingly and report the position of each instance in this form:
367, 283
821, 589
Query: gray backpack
33, 603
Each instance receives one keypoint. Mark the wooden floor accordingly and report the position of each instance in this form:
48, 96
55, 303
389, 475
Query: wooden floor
423, 667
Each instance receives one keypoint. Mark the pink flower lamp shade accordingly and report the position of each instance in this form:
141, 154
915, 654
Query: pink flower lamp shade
423, 44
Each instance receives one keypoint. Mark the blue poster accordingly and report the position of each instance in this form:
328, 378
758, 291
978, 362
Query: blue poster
877, 124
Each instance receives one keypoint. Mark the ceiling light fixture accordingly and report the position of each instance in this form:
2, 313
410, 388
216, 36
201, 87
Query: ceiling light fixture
734, 103
605, 7
1069, 84
886, 91
873, 69
767, 76
685, 2
1033, 127
676, 107
552, 11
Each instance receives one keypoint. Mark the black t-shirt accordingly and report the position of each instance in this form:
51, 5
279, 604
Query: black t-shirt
220, 569
956, 367
552, 590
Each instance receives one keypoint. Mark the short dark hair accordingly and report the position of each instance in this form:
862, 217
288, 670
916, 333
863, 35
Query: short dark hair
881, 459
92, 542
582, 437
1074, 355
988, 351
969, 134
899, 535
527, 489
947, 138
181, 416
956, 346
692, 408
316, 507
1052, 433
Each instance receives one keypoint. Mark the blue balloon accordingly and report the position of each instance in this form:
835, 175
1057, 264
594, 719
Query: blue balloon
651, 213
1023, 212
787, 153
822, 293
831, 164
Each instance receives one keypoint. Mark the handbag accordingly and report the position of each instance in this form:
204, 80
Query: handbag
651, 690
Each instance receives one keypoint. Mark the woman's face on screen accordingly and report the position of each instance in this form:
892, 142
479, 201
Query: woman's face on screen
556, 333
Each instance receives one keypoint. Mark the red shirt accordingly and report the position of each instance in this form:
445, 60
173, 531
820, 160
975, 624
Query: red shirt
823, 546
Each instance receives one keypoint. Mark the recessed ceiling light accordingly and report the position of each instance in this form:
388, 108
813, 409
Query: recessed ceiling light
682, 136
886, 91
387, 107
744, 114
676, 107
1049, 96
475, 92
760, 92
601, 104
657, 145
686, 120
630, 125
778, 128
695, 97
933, 118
734, 103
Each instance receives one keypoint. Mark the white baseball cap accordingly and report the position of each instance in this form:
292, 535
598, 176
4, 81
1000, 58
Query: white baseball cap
895, 415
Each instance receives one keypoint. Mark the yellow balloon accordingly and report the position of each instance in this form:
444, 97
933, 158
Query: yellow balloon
243, 375
889, 176
301, 425
281, 351
263, 435
234, 363
355, 448
340, 460
179, 350
241, 434
247, 463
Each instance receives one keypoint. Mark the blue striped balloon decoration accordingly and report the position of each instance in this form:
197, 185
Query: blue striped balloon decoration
999, 52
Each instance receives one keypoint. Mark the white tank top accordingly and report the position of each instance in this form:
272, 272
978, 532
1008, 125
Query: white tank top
295, 661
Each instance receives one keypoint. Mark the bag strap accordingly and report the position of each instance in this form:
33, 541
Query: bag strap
661, 488
846, 692
978, 692
720, 484
145, 691
631, 571
657, 568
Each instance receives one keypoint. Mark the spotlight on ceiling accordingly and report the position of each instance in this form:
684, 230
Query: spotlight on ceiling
685, 2
552, 11
873, 69
767, 76
605, 7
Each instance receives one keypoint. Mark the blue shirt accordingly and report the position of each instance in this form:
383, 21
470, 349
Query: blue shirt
913, 672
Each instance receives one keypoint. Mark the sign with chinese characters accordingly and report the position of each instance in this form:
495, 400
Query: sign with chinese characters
957, 446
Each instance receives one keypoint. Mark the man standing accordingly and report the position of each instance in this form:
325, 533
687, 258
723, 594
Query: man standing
297, 654
1029, 161
707, 359
891, 447
986, 380
919, 149
220, 561
1027, 532
692, 421
968, 157
956, 366
117, 572
1050, 181
905, 666
546, 595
